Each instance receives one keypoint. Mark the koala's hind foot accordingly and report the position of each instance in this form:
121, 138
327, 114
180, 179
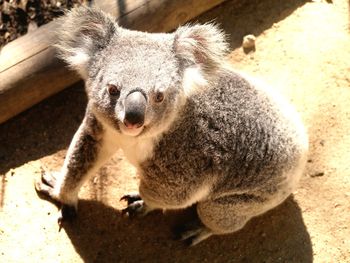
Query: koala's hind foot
136, 206
192, 233
45, 189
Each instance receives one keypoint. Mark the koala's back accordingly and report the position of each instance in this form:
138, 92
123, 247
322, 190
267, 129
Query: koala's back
233, 136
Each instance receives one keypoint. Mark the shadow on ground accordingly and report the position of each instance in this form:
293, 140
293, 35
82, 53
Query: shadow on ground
251, 17
42, 130
101, 234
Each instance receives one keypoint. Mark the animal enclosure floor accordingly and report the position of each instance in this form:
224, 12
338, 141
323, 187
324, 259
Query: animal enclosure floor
303, 50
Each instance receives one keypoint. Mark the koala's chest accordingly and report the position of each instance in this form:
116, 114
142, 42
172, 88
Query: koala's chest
137, 151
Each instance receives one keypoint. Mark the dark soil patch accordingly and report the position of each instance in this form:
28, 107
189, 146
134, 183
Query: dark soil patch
17, 17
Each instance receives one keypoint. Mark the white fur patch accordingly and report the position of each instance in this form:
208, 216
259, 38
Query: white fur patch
79, 61
193, 81
201, 44
136, 149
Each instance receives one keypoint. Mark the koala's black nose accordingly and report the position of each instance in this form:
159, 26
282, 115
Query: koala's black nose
135, 107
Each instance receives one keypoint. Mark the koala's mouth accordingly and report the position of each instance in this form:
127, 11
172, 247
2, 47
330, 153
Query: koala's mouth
132, 131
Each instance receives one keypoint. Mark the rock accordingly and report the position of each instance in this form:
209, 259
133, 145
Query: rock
317, 174
248, 42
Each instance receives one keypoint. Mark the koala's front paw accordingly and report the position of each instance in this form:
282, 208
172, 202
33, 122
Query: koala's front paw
45, 189
131, 198
136, 206
45, 186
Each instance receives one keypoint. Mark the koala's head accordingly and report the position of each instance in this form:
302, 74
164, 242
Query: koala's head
136, 81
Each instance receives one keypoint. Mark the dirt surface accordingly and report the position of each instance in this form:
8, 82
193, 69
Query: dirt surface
302, 49
19, 16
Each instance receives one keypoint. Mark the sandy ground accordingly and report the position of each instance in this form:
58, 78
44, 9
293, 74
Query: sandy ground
303, 50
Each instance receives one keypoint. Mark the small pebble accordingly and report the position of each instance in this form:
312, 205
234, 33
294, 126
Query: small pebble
318, 174
248, 42
95, 180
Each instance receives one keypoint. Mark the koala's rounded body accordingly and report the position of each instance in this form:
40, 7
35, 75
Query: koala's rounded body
237, 150
197, 132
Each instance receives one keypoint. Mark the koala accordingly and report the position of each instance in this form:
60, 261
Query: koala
199, 133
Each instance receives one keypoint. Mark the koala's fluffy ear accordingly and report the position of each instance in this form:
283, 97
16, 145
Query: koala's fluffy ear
81, 33
201, 45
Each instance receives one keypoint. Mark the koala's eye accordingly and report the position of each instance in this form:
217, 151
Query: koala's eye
159, 97
113, 90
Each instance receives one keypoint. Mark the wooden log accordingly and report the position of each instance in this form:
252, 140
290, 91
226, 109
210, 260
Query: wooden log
30, 72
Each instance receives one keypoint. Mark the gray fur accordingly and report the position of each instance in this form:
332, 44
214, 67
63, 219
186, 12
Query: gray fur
230, 146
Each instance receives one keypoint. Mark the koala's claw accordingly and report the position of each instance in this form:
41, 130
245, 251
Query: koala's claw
135, 208
131, 198
192, 235
67, 213
48, 178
